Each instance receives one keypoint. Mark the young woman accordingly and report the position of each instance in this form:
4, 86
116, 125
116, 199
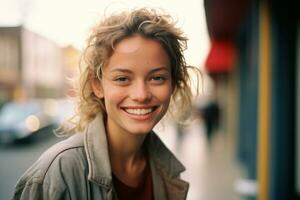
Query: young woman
134, 69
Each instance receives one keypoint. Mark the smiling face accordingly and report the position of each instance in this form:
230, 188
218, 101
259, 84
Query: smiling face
136, 85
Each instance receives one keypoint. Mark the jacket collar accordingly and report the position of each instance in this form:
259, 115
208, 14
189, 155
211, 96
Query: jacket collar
96, 148
162, 156
165, 169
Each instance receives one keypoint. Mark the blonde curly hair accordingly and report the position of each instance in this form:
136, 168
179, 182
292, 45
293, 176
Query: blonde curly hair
104, 36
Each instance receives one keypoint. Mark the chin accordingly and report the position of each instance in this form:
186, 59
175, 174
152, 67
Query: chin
140, 130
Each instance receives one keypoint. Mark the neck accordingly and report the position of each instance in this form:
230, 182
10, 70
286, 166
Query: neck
127, 154
126, 149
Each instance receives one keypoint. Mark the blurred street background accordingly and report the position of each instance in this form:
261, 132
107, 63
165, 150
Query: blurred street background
243, 141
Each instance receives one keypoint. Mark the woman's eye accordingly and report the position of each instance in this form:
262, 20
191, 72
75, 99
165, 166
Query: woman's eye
158, 79
121, 79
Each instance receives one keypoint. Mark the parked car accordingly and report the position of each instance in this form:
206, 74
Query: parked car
64, 110
21, 121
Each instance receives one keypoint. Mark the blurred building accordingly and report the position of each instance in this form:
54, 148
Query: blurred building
30, 65
71, 63
253, 60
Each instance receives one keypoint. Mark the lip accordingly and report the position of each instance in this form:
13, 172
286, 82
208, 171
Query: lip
142, 117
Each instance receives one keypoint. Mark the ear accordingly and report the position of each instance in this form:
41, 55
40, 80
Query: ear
97, 88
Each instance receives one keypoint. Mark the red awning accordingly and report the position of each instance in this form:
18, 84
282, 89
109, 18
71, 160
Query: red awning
222, 56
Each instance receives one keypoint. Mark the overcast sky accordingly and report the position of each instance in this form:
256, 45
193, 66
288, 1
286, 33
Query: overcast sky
68, 21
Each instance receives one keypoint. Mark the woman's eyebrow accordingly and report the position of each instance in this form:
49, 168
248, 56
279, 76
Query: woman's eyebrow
130, 71
160, 69
121, 70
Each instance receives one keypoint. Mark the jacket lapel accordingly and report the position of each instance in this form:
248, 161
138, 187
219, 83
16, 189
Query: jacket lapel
95, 143
165, 169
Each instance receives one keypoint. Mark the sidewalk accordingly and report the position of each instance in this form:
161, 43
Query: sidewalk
210, 170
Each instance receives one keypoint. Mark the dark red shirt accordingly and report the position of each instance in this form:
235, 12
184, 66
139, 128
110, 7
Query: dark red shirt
142, 192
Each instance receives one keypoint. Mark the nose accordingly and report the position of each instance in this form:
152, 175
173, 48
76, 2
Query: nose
141, 92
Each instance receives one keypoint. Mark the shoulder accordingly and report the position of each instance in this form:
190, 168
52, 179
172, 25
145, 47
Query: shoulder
61, 160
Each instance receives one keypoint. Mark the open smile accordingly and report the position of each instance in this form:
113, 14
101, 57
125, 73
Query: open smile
140, 113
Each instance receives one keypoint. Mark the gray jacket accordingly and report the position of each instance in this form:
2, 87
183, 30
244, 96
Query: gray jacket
79, 168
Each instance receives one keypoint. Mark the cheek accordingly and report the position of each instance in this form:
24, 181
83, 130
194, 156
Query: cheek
113, 95
164, 94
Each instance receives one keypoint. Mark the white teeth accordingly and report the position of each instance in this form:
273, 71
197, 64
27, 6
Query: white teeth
139, 111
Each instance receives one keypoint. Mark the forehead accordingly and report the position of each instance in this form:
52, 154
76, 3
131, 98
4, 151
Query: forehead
138, 51
130, 44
